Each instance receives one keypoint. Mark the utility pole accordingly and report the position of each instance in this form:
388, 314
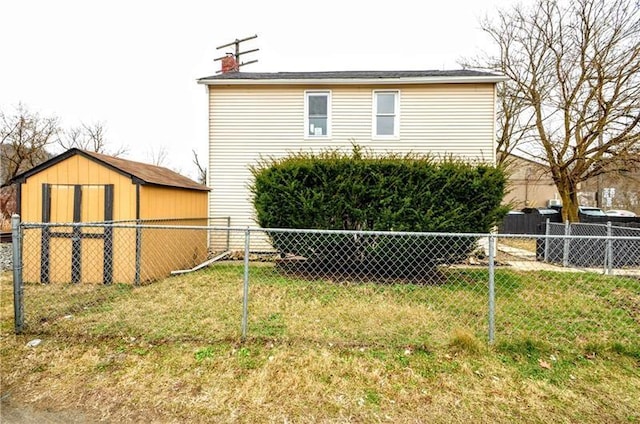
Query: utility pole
237, 53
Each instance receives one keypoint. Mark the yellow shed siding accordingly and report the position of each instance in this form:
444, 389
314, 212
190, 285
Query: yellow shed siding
92, 263
60, 260
62, 204
31, 249
168, 202
94, 196
77, 170
63, 176
160, 252
164, 251
250, 122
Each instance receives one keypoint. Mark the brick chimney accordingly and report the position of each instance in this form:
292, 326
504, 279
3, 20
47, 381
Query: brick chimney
229, 64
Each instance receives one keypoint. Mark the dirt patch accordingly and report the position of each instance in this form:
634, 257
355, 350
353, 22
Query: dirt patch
13, 413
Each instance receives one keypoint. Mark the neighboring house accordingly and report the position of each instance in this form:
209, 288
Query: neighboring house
619, 190
260, 115
530, 184
83, 186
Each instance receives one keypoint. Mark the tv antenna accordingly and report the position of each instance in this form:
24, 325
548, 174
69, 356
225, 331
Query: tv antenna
237, 54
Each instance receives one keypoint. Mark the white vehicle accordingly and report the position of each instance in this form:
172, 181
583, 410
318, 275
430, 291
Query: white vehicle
620, 212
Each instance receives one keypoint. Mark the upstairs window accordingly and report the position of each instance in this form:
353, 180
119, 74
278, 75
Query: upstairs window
317, 113
385, 110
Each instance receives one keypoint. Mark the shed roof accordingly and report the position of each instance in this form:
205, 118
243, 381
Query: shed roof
140, 173
351, 77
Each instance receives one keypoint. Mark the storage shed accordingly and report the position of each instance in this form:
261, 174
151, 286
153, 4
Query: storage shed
84, 186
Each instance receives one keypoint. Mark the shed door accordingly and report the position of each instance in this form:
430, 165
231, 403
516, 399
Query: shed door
73, 246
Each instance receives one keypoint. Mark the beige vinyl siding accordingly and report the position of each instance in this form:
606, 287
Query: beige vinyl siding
250, 122
455, 119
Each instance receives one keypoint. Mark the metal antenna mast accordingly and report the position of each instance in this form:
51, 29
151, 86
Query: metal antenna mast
238, 53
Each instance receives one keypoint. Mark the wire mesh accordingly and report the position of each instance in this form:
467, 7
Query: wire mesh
175, 282
594, 245
565, 302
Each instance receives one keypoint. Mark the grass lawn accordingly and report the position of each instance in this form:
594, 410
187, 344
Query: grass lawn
567, 349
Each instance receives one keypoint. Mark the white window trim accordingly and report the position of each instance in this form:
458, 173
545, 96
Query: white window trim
306, 114
374, 112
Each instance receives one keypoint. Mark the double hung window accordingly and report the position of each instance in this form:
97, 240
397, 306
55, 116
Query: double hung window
385, 111
318, 113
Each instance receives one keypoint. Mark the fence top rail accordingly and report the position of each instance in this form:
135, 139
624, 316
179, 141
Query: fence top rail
236, 229
563, 237
433, 234
597, 224
34, 225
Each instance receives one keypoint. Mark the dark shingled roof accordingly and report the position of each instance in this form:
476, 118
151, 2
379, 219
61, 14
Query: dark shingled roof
139, 172
347, 75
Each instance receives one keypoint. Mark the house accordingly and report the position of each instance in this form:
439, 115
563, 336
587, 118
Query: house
530, 184
618, 190
259, 115
84, 186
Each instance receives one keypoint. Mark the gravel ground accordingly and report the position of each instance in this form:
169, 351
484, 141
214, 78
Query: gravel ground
6, 253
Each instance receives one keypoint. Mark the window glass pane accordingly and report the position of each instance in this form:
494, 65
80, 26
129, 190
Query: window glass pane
386, 102
318, 105
384, 125
317, 126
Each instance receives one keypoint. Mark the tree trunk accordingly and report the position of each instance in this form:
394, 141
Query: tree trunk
570, 204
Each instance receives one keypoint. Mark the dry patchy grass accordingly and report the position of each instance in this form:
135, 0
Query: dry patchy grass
523, 243
330, 351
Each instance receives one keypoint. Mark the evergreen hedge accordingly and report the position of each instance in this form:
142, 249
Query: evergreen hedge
333, 190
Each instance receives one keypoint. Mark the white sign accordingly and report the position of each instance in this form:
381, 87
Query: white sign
608, 193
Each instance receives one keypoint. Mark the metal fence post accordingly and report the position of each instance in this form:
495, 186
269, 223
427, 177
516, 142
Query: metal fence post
245, 294
138, 252
565, 253
492, 299
547, 231
18, 288
609, 252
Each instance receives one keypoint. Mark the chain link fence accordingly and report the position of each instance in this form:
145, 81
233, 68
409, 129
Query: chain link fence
600, 245
191, 282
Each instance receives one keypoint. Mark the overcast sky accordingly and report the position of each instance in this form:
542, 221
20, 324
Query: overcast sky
133, 65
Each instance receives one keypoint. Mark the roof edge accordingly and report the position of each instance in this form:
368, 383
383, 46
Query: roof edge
356, 81
22, 178
136, 179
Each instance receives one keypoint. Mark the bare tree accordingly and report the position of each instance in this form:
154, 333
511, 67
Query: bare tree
574, 89
202, 170
513, 124
89, 137
24, 139
158, 155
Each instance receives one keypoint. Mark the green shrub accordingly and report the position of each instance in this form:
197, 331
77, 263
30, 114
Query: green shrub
338, 191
